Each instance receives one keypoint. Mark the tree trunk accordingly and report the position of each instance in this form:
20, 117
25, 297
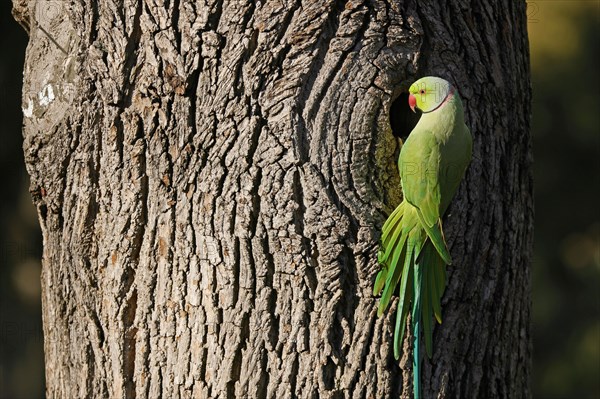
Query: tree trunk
211, 179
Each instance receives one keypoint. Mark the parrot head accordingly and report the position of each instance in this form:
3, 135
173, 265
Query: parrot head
428, 93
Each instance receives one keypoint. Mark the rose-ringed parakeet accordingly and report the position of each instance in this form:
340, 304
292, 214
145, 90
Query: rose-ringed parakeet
413, 250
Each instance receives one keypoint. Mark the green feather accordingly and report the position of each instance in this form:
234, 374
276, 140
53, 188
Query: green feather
405, 297
380, 281
392, 221
413, 252
416, 327
392, 278
437, 238
392, 244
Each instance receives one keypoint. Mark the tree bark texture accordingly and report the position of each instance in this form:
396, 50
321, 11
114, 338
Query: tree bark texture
211, 179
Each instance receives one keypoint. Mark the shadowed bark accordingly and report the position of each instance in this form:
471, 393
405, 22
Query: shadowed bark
211, 178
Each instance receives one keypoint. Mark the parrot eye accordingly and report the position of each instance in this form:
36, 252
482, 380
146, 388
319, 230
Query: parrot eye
422, 91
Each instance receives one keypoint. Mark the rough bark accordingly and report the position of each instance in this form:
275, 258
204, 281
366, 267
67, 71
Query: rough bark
211, 178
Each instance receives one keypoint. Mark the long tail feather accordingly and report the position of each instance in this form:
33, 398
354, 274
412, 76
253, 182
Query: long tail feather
392, 279
391, 224
413, 259
426, 308
405, 296
416, 327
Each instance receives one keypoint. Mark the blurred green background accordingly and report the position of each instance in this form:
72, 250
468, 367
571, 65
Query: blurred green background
564, 38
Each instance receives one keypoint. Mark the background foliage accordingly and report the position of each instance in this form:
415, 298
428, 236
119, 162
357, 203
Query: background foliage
566, 130
566, 269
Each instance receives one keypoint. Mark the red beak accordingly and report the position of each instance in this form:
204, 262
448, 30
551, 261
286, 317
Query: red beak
412, 102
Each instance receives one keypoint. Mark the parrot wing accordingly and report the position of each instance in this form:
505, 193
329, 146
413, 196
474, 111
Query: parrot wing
419, 170
420, 167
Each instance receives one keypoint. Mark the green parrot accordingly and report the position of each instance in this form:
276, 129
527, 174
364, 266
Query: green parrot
413, 250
